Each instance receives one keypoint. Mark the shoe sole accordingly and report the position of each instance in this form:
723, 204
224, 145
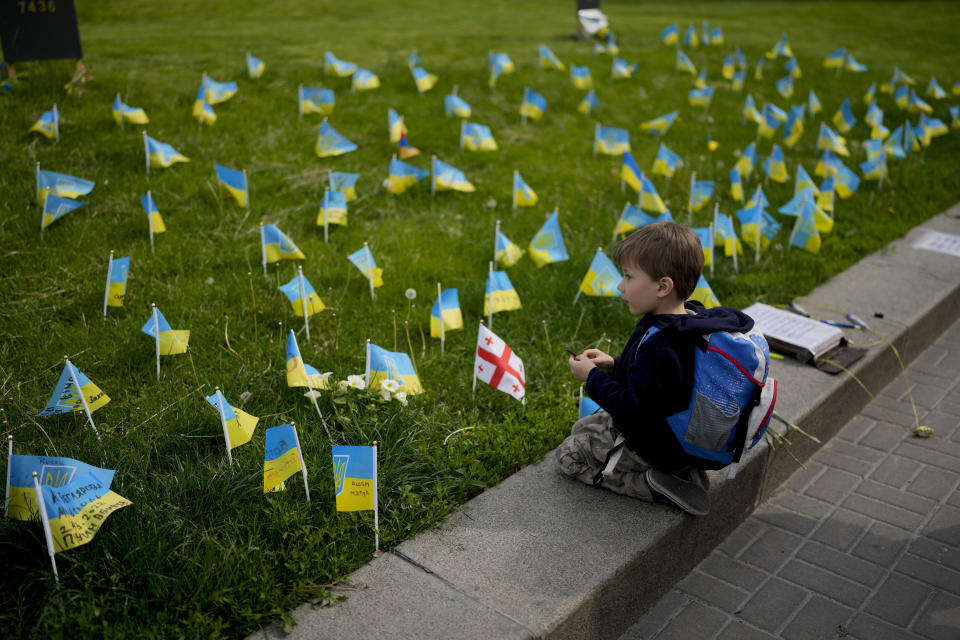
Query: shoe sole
671, 488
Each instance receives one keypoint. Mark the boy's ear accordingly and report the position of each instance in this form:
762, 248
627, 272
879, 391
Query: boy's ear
664, 286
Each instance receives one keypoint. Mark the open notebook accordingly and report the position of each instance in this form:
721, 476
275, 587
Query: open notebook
793, 334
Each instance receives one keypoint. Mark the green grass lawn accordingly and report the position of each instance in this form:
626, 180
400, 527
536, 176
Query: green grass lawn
202, 552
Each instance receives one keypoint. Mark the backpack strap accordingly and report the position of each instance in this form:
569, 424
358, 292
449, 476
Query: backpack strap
613, 457
740, 439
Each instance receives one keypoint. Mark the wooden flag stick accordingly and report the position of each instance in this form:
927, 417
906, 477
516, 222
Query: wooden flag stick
303, 301
490, 297
369, 268
156, 335
106, 293
440, 306
223, 423
46, 525
86, 407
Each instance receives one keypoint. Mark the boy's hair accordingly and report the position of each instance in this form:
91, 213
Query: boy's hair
664, 249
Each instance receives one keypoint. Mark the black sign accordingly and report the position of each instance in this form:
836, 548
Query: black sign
39, 30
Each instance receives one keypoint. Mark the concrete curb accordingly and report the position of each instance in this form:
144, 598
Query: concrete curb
542, 556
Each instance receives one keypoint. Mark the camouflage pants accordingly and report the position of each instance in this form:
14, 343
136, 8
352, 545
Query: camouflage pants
583, 454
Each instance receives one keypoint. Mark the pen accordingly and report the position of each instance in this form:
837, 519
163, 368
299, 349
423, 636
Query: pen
798, 309
857, 321
834, 323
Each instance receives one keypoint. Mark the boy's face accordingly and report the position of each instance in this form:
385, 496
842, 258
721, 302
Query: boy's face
642, 293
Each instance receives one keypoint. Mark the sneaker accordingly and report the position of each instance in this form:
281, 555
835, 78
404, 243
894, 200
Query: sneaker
688, 495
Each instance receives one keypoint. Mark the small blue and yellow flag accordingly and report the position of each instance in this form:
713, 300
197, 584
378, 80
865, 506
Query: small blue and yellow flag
910, 142
402, 176
610, 141
588, 103
666, 162
875, 168
363, 260
845, 181
61, 184
345, 183
240, 424
172, 341
391, 365
395, 125
339, 68
834, 60
954, 115
750, 111
476, 137
235, 183
736, 185
830, 140
533, 104
826, 197
797, 202
117, 274
301, 294
355, 478
315, 100
873, 147
507, 253
706, 244
449, 178
805, 234
803, 181
499, 294
364, 80
758, 70
739, 79
125, 113
602, 278
281, 456
523, 195
547, 245
255, 66
691, 38
870, 93
152, 213
775, 167
724, 232
700, 97
813, 103
851, 64
633, 218
785, 86
331, 143
902, 96
447, 309
769, 122
277, 246
792, 67
406, 150
781, 48
55, 207
659, 125
649, 198
423, 79
66, 397
716, 36
499, 64
54, 472
454, 105
301, 374
844, 119
701, 194
758, 197
700, 82
728, 67
753, 218
333, 209
747, 160
202, 110
793, 127
48, 124
684, 63
548, 60
76, 511
162, 154
916, 105
580, 77
621, 69
217, 92
670, 35
704, 294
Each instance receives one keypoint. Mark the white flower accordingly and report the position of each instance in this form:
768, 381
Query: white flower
389, 385
411, 294
385, 394
357, 382
402, 397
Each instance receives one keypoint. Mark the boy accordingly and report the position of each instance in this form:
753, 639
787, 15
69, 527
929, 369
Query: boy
651, 379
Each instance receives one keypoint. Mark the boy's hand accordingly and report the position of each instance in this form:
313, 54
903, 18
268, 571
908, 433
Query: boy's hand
599, 358
580, 367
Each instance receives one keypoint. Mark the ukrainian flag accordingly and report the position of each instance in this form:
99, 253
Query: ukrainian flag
55, 207
150, 208
533, 104
76, 511
547, 245
392, 365
316, 100
700, 82
61, 184
873, 148
548, 60
423, 79
797, 202
902, 96
805, 234
331, 143
793, 128
785, 86
53, 472
117, 281
255, 66
451, 315
403, 176
700, 97
736, 185
874, 169
910, 143
685, 64
723, 229
281, 456
893, 146
395, 125
844, 119
499, 63
355, 478
507, 253
793, 68
670, 35
758, 70
48, 123
333, 208
620, 68
758, 197
728, 68
523, 195
775, 167
845, 181
871, 92
852, 65
602, 278
747, 160
339, 68
916, 105
277, 246
203, 111
172, 341
299, 373
706, 244
362, 259
588, 103
690, 37
804, 181
124, 113
235, 182
704, 294
630, 172
500, 294
768, 226
476, 137
633, 218
296, 296
830, 140
580, 77
456, 106
835, 59
240, 424
66, 397
739, 79
813, 103
825, 199
405, 149
448, 178
364, 80
659, 125
750, 111
768, 124
162, 154
345, 183
716, 35
667, 162
217, 92
610, 141
701, 194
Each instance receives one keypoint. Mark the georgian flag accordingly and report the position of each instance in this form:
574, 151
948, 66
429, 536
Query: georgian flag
497, 365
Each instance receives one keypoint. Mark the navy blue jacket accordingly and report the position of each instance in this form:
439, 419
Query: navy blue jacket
654, 380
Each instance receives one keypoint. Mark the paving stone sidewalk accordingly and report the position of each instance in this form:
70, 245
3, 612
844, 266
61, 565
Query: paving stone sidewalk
863, 544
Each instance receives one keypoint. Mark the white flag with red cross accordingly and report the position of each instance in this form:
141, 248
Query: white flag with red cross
497, 365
